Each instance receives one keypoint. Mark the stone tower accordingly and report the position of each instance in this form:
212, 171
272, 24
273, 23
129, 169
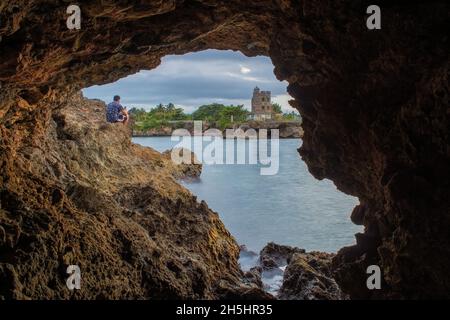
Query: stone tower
261, 105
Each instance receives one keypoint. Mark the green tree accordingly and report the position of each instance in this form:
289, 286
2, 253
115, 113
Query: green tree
276, 107
209, 112
221, 115
137, 114
157, 116
170, 107
159, 108
291, 116
237, 112
177, 114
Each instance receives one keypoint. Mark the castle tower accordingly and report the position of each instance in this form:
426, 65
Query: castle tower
261, 105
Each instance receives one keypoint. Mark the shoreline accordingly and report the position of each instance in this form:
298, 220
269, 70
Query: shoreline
286, 129
224, 137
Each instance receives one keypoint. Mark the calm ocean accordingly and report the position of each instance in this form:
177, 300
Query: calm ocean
289, 208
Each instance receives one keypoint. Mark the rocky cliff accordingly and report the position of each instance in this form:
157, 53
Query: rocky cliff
375, 115
78, 192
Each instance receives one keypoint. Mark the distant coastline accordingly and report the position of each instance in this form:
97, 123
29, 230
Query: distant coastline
287, 129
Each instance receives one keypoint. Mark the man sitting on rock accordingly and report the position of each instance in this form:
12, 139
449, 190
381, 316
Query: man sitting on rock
115, 112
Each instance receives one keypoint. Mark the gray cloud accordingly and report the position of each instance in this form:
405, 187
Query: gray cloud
194, 79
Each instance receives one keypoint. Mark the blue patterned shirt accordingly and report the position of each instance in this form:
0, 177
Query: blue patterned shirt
113, 111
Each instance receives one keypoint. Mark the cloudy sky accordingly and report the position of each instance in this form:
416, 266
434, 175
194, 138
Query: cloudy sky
195, 79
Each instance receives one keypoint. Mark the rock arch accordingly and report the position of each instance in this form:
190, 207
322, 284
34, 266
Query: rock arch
374, 104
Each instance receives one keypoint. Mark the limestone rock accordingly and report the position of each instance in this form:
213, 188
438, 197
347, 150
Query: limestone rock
308, 276
192, 169
275, 256
374, 105
94, 199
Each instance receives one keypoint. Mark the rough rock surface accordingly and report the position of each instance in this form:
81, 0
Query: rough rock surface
190, 169
286, 129
291, 132
81, 193
375, 117
308, 276
274, 255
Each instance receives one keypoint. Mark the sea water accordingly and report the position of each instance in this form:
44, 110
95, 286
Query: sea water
289, 208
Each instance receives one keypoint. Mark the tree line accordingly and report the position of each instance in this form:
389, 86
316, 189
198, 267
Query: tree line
218, 115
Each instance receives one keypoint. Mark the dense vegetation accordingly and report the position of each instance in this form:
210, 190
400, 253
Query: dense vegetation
218, 115
159, 116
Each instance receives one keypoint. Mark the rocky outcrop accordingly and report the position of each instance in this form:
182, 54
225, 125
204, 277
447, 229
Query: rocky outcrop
275, 256
191, 169
80, 193
374, 105
286, 129
291, 132
306, 275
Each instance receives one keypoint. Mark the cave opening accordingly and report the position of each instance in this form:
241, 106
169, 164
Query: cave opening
292, 207
374, 107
